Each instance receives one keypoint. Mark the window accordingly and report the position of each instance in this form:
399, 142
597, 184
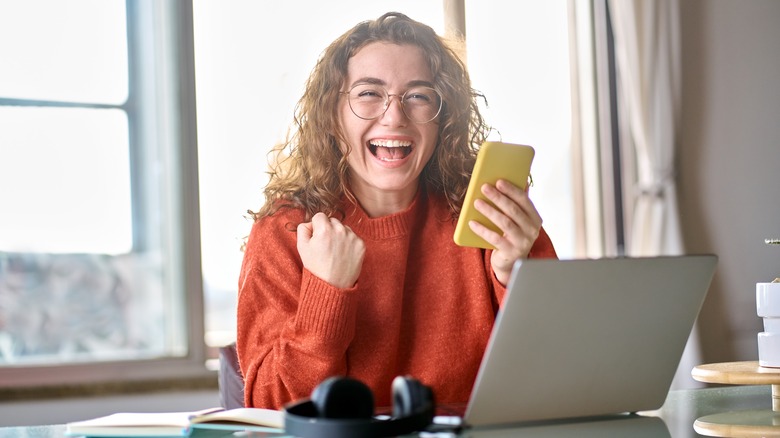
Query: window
75, 83
96, 155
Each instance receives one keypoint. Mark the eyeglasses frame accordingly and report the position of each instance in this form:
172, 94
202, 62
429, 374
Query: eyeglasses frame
400, 100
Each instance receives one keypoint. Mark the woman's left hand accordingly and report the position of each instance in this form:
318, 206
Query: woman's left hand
516, 216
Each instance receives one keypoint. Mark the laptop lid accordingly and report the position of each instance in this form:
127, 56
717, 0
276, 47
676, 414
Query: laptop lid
579, 338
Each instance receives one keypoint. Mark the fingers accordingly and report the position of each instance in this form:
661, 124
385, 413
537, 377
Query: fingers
305, 231
512, 201
518, 221
321, 226
486, 233
514, 214
512, 211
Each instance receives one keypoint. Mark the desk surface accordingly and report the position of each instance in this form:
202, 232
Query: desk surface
674, 420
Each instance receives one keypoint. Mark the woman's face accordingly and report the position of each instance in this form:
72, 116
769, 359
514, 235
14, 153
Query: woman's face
387, 153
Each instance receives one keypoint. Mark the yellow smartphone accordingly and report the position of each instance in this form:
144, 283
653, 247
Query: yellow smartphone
495, 160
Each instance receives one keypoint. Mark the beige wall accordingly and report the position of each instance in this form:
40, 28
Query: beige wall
730, 160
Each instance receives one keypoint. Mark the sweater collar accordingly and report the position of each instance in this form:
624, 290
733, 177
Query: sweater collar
384, 227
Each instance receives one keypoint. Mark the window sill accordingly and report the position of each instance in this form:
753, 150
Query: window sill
208, 381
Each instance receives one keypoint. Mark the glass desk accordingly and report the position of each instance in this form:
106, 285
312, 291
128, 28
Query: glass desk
675, 419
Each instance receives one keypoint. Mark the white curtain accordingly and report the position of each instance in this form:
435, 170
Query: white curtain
647, 52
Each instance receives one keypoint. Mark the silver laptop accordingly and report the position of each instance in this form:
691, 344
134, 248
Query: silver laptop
583, 338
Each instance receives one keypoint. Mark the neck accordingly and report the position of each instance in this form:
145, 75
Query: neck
377, 203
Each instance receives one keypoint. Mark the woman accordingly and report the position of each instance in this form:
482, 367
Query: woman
350, 267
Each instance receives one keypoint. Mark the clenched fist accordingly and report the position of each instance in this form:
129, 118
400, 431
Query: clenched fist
331, 250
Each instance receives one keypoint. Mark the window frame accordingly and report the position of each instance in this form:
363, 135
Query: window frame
160, 110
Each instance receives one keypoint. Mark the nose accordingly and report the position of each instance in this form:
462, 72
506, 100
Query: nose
394, 114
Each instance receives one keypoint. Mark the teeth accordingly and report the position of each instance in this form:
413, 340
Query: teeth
391, 143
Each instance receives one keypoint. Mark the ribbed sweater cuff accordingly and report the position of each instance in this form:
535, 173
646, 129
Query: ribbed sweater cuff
324, 311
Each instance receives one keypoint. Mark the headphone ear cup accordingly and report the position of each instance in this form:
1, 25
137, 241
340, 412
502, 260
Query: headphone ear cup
343, 397
410, 397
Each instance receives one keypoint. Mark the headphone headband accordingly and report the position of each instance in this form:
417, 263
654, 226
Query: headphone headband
298, 422
303, 419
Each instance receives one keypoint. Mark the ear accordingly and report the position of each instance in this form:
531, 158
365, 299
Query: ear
343, 397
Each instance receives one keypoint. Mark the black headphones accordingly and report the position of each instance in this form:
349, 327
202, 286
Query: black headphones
342, 407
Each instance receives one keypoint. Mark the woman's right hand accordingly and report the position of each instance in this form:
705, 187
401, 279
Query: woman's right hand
331, 250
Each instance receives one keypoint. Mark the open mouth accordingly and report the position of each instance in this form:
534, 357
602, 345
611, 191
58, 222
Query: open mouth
390, 150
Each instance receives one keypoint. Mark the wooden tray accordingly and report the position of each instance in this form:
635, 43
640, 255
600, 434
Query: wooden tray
760, 423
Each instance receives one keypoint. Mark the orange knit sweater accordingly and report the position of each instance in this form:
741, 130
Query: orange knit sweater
422, 306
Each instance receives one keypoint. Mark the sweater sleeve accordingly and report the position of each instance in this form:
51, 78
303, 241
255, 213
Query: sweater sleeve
543, 247
293, 328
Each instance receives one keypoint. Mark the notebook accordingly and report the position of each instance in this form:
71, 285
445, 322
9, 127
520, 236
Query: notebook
583, 338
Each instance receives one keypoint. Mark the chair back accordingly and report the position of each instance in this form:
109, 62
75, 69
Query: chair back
231, 382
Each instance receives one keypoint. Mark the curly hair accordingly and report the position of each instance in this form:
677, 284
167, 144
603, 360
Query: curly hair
309, 170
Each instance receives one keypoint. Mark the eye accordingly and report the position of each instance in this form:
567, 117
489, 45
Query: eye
366, 93
420, 96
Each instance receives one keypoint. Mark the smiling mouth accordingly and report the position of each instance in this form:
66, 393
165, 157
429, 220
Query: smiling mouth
390, 150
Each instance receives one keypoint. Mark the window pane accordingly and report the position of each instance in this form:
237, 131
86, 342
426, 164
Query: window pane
65, 51
66, 205
72, 287
249, 78
94, 262
76, 308
65, 174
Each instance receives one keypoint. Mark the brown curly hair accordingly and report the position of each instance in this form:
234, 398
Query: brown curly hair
309, 169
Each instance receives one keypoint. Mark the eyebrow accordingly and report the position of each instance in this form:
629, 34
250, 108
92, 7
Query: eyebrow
377, 81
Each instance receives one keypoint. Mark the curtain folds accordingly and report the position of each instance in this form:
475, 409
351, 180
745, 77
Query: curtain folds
648, 58
647, 52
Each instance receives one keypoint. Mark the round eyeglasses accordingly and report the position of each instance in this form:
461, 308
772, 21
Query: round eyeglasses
369, 101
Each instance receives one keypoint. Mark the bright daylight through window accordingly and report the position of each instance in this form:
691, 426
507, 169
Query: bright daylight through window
89, 271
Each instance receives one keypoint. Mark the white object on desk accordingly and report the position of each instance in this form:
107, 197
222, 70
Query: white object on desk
768, 307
